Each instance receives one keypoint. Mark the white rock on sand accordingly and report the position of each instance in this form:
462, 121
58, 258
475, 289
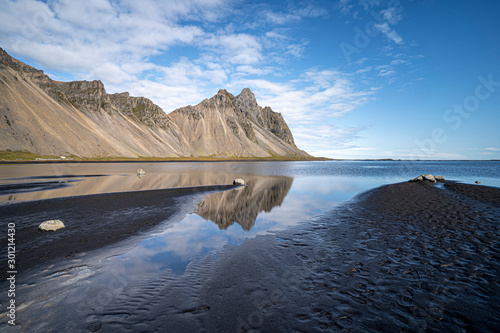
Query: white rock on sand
417, 179
238, 181
51, 225
428, 177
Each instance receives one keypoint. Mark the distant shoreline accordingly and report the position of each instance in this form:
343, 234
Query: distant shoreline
53, 161
161, 161
22, 157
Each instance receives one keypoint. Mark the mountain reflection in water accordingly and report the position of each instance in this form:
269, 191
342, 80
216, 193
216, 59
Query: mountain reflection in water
255, 209
244, 204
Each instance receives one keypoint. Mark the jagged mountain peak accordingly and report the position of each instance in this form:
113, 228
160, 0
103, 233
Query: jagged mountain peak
231, 121
223, 92
246, 93
247, 102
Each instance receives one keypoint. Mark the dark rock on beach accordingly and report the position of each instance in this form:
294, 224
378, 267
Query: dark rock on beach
428, 177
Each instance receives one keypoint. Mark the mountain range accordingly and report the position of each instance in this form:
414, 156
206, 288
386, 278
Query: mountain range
79, 118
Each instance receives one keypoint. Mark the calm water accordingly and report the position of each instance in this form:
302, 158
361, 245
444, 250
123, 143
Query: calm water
44, 181
279, 195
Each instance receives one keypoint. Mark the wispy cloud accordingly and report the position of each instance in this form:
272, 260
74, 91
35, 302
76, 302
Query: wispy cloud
386, 72
491, 151
390, 33
281, 18
84, 36
235, 48
392, 15
345, 6
398, 62
387, 17
315, 95
422, 154
312, 104
326, 139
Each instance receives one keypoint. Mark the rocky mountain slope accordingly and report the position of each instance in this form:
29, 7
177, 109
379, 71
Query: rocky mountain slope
225, 125
80, 118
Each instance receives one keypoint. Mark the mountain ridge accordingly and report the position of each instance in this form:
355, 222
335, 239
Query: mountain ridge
80, 118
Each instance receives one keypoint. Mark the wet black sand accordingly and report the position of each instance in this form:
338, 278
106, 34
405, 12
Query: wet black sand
407, 257
91, 222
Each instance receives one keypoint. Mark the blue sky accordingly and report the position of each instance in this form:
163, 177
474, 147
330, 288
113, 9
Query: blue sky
352, 78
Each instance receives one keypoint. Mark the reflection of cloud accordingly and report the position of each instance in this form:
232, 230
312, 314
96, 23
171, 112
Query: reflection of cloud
243, 205
185, 239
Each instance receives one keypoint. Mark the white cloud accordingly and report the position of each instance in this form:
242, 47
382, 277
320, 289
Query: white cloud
82, 36
387, 18
489, 149
177, 10
386, 72
275, 35
246, 69
311, 105
295, 50
398, 62
281, 18
169, 97
361, 61
363, 148
390, 33
421, 154
364, 70
345, 6
187, 72
392, 15
235, 48
96, 14
329, 136
310, 10
111, 72
310, 99
294, 15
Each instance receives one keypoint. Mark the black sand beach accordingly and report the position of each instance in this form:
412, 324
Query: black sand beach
407, 257
92, 221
